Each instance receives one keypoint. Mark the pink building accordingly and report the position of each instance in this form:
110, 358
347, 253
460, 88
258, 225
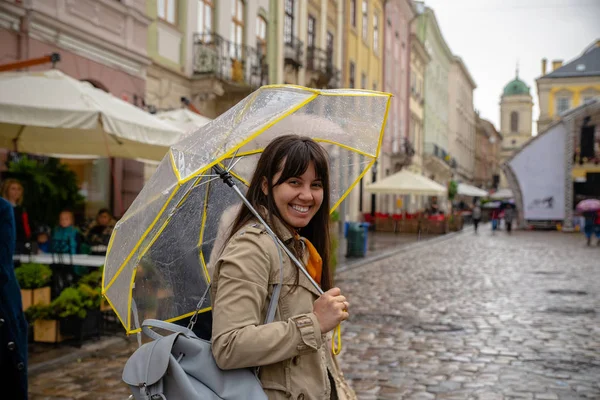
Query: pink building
102, 42
396, 149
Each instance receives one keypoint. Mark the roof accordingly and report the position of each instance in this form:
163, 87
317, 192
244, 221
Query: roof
587, 64
516, 87
465, 70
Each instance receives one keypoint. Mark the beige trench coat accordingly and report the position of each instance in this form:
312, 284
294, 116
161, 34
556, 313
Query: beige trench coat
293, 356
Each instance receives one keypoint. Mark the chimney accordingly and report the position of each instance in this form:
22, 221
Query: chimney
544, 64
556, 64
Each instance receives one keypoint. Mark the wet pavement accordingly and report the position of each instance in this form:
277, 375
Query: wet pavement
477, 317
473, 317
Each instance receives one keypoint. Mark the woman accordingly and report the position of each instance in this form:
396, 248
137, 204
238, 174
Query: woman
290, 188
12, 191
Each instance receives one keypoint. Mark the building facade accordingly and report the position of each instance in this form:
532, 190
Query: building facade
362, 49
419, 58
487, 154
437, 161
103, 43
568, 86
212, 52
516, 107
461, 121
398, 149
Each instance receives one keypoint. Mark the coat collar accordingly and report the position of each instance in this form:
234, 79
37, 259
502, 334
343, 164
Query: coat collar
277, 225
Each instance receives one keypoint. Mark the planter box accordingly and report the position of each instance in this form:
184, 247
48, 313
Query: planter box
47, 331
383, 224
408, 226
104, 306
30, 297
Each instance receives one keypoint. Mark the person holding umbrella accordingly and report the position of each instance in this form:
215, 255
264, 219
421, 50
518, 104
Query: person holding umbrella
290, 188
589, 209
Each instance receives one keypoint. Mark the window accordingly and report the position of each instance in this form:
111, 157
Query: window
288, 22
310, 39
363, 81
376, 33
375, 86
353, 13
205, 19
514, 122
237, 28
562, 104
261, 35
365, 20
166, 10
352, 73
330, 46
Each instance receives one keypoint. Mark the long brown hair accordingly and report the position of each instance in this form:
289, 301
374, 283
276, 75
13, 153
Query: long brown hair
291, 155
6, 187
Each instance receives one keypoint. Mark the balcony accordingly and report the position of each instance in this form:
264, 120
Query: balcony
293, 51
438, 158
404, 153
320, 70
232, 63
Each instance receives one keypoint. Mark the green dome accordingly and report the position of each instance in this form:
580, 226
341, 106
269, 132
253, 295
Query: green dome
516, 87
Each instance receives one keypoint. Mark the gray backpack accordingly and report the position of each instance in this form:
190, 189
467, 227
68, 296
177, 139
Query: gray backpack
181, 366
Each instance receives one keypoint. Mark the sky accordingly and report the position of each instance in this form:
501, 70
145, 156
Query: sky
492, 36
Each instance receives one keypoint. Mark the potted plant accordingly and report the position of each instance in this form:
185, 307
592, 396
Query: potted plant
65, 316
94, 279
34, 280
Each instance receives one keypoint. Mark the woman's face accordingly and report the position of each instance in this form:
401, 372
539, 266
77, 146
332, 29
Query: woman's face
299, 198
15, 191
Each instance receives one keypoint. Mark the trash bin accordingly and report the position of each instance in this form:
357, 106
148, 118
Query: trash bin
356, 234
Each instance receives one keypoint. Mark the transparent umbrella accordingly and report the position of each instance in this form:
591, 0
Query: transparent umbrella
157, 261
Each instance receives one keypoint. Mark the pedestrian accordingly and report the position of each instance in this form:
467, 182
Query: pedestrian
12, 191
509, 214
65, 236
495, 216
476, 214
13, 326
290, 188
597, 227
590, 225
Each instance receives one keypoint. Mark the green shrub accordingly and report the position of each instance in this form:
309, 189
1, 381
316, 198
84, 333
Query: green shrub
33, 276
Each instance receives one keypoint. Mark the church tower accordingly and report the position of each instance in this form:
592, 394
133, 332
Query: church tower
516, 119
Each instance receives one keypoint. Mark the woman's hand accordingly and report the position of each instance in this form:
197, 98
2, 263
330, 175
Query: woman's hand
331, 309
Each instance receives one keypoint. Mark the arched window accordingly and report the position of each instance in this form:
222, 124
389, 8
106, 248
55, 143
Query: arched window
514, 122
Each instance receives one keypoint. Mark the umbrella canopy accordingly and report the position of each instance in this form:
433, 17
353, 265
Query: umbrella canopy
158, 257
471, 191
493, 204
588, 205
184, 119
51, 113
502, 194
406, 182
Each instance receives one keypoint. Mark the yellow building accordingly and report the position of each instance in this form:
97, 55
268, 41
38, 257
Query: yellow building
568, 86
363, 69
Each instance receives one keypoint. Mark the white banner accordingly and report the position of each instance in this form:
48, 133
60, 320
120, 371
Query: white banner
540, 172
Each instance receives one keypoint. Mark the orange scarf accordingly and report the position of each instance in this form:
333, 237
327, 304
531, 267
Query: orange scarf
314, 265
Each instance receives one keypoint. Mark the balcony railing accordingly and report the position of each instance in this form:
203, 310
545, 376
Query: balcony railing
320, 62
436, 151
229, 61
293, 51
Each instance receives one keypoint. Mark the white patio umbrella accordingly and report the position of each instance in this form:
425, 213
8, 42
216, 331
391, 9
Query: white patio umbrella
502, 194
184, 119
52, 113
471, 191
406, 182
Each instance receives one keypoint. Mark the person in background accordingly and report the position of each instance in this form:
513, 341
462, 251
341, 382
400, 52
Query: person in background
476, 214
12, 191
65, 235
495, 217
597, 227
43, 240
13, 326
509, 214
590, 226
99, 231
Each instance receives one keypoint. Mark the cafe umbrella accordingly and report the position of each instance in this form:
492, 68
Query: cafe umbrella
157, 260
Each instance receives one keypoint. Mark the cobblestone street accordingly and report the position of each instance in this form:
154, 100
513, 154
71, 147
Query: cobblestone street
494, 317
473, 317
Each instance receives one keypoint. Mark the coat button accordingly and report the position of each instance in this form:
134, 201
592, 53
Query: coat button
20, 366
296, 360
11, 346
301, 396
